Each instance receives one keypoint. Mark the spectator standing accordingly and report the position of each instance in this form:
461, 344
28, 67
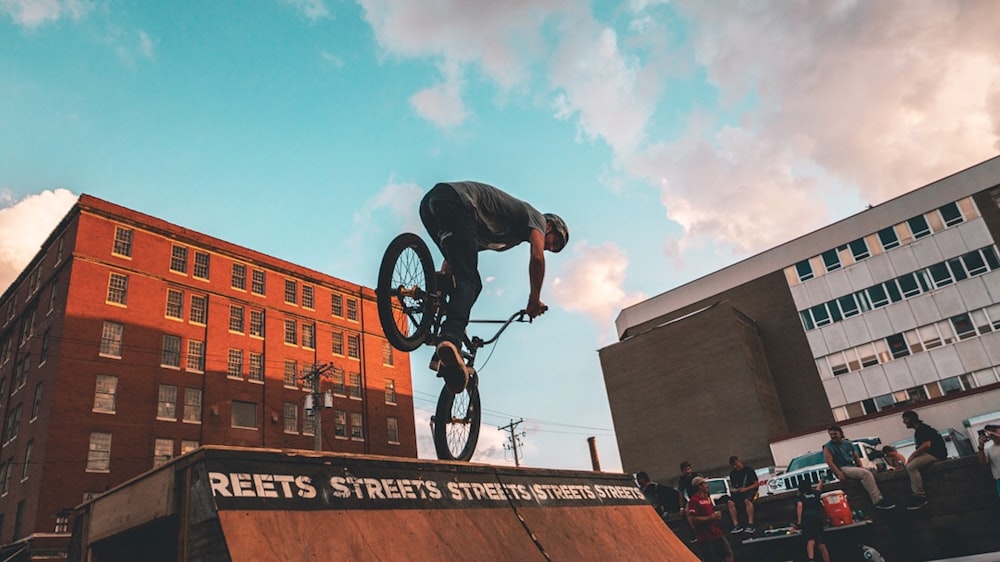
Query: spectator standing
843, 461
662, 497
684, 485
701, 514
991, 455
744, 484
893, 458
930, 449
810, 516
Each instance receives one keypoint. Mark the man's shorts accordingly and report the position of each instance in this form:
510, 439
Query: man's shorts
738, 497
717, 550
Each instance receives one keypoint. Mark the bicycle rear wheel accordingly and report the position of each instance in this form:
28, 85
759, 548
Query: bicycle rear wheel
405, 281
456, 423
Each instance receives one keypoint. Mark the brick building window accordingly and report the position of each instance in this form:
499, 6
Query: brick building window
37, 404
234, 364
196, 356
387, 358
352, 309
53, 295
309, 336
309, 423
355, 386
291, 374
111, 339
236, 318
307, 296
163, 451
337, 306
354, 346
291, 418
202, 260
104, 393
188, 445
118, 289
175, 304
256, 373
338, 343
291, 332
199, 309
357, 429
257, 282
392, 429
338, 386
166, 403
244, 415
390, 391
192, 405
291, 291
13, 425
179, 259
257, 323
171, 356
239, 280
123, 242
28, 451
99, 453
5, 477
339, 423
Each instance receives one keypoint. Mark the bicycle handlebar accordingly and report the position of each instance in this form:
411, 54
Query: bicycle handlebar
519, 316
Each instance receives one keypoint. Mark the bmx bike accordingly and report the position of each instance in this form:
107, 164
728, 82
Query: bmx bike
412, 299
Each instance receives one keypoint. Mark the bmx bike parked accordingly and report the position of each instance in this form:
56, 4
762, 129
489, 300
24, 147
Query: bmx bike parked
412, 302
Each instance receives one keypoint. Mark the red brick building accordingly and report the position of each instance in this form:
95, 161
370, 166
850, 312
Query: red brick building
129, 340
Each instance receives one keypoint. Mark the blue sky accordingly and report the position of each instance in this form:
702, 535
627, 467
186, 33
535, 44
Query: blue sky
674, 137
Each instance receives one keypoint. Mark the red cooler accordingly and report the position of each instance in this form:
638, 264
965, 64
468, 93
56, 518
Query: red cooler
837, 509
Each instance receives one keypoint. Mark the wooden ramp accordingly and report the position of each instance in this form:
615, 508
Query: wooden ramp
219, 504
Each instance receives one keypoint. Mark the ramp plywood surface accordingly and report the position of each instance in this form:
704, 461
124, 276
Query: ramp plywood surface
282, 536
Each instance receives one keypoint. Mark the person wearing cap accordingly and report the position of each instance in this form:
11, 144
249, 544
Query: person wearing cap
703, 518
991, 455
663, 498
464, 218
684, 485
930, 449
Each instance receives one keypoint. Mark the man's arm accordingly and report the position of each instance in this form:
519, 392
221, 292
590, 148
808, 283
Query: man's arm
536, 273
923, 448
828, 457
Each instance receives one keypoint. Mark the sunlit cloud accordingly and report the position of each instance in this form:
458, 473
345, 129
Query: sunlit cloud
592, 282
24, 225
34, 13
313, 10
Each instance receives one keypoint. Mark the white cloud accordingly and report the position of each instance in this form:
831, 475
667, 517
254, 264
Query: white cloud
24, 225
859, 94
489, 448
592, 281
313, 10
399, 200
33, 13
442, 104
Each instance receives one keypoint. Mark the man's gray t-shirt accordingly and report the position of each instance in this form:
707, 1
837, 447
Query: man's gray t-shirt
502, 221
843, 452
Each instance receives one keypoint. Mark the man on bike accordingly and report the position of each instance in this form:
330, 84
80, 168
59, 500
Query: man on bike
464, 218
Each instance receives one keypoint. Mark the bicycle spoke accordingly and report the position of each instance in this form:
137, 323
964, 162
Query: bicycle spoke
409, 287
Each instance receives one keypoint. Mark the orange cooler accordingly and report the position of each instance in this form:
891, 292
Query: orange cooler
837, 509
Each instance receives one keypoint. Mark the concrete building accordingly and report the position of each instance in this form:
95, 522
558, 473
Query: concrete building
893, 308
129, 340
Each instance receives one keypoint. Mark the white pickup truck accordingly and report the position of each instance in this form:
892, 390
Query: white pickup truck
812, 466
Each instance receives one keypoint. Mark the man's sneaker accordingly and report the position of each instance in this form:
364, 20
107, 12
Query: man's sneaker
885, 504
750, 529
916, 502
737, 530
455, 379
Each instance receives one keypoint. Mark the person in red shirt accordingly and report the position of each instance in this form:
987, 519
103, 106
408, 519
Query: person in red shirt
703, 518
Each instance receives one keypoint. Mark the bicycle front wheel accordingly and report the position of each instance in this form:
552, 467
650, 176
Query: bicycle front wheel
456, 423
405, 281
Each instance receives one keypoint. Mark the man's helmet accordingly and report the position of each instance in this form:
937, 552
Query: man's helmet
558, 226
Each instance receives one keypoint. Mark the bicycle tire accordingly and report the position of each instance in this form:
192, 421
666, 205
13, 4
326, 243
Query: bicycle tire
406, 319
456, 423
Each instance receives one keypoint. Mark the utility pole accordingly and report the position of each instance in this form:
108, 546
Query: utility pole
317, 400
514, 438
